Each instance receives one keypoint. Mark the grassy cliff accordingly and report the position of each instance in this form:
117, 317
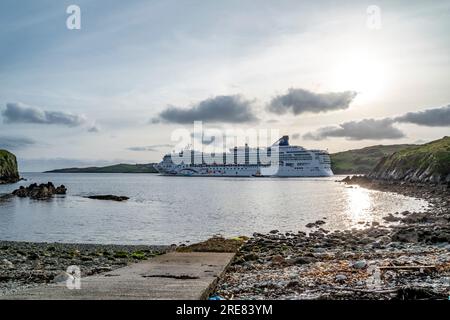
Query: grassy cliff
363, 160
429, 162
8, 167
118, 168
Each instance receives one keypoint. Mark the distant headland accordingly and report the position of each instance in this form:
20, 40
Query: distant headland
118, 168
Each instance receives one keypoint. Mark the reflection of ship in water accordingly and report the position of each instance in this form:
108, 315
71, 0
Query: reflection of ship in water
280, 160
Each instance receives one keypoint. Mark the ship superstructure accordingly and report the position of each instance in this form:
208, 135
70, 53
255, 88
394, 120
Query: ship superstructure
279, 160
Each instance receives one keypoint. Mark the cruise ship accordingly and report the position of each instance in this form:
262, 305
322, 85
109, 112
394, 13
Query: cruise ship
279, 160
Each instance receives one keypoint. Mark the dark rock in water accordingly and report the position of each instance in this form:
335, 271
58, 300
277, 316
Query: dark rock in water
315, 224
21, 192
109, 197
61, 190
356, 180
39, 192
274, 231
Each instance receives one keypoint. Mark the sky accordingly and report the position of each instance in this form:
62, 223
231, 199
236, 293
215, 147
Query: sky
333, 76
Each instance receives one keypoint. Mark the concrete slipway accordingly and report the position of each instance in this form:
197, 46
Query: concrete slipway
175, 275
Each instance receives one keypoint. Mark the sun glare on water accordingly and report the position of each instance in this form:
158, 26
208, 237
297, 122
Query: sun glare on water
358, 205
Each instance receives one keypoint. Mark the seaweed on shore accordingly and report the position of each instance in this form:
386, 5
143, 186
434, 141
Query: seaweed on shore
215, 244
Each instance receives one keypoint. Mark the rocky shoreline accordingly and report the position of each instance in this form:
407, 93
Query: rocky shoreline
27, 264
407, 258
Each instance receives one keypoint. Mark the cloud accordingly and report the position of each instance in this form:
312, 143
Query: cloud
299, 101
14, 143
20, 113
383, 128
359, 130
230, 109
296, 136
94, 129
151, 148
437, 117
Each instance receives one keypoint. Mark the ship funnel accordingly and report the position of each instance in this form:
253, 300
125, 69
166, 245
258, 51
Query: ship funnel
283, 141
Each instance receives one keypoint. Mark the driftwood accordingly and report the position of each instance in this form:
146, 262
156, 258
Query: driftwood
363, 290
406, 267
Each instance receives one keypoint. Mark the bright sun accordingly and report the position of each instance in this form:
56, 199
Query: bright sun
361, 72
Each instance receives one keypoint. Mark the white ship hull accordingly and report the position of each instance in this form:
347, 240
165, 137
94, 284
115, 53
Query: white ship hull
292, 161
242, 171
250, 173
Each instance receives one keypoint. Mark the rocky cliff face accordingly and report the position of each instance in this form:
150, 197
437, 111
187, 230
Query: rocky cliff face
8, 167
425, 163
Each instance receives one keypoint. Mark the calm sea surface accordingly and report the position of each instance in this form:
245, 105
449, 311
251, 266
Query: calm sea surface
166, 210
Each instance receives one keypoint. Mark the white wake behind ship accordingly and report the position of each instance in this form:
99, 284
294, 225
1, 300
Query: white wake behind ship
279, 160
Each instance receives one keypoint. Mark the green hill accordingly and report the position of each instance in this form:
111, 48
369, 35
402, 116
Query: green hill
429, 162
118, 168
8, 167
361, 161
